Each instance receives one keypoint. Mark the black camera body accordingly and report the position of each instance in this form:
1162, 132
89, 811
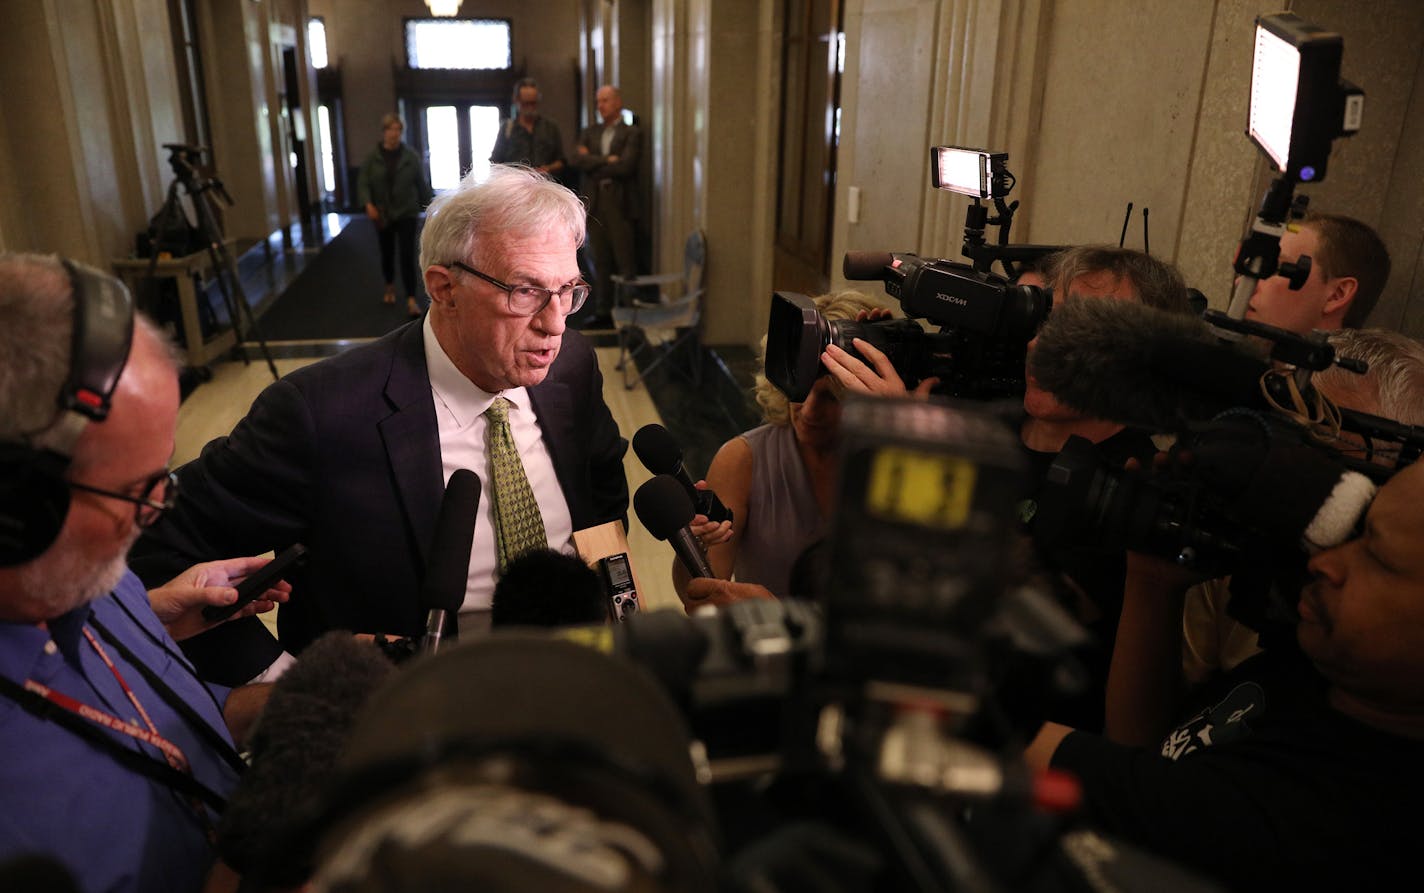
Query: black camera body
1245, 494
957, 296
978, 355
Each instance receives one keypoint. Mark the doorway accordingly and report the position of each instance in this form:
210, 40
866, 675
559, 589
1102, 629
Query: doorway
811, 64
454, 138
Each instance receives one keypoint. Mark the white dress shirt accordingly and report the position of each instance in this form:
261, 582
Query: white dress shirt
459, 415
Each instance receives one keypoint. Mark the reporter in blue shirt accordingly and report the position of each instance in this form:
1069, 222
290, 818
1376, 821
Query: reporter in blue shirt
117, 757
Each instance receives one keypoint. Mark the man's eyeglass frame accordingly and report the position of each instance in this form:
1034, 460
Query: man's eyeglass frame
578, 292
147, 510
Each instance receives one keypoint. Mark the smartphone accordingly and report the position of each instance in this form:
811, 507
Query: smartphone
707, 503
257, 583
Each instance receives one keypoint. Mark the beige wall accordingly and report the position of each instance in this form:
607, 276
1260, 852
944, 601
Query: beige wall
1101, 102
87, 100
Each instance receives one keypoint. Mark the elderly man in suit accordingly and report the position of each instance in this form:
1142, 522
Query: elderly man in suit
350, 456
608, 155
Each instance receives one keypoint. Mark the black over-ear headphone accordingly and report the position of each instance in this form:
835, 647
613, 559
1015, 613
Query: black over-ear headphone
34, 495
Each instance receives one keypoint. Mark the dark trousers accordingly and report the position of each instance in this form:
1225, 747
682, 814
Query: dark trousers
611, 241
402, 232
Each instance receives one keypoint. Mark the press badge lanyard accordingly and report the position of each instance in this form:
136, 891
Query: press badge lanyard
176, 772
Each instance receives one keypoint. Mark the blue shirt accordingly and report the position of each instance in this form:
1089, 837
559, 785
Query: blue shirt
114, 828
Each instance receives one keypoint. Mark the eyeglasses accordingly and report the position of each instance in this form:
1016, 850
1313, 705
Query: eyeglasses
160, 493
527, 300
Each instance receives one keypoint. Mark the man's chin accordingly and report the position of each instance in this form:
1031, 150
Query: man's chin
56, 585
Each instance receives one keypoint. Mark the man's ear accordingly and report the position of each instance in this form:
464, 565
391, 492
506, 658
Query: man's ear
1342, 292
440, 285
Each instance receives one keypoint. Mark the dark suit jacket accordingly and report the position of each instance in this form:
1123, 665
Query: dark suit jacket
610, 189
344, 456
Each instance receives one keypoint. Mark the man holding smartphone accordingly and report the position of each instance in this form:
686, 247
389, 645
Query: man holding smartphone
100, 715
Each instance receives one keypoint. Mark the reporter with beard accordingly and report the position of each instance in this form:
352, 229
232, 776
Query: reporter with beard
117, 755
1292, 774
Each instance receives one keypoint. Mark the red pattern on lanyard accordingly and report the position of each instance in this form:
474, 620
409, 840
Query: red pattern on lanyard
171, 752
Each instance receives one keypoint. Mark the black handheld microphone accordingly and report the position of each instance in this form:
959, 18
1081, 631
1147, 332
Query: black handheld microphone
448, 568
660, 454
663, 507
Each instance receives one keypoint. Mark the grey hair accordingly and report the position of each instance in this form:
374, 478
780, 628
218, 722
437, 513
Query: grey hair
36, 328
36, 339
1156, 283
1395, 376
512, 199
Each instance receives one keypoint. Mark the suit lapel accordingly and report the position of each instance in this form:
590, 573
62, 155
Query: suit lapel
553, 407
412, 439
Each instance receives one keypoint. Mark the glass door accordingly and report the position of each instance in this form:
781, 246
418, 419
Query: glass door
458, 138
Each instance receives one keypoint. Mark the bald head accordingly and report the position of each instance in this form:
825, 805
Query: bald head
610, 104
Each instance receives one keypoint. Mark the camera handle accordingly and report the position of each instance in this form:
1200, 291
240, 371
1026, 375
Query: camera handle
1258, 257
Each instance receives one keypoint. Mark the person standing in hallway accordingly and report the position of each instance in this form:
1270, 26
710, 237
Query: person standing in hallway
393, 189
608, 155
528, 137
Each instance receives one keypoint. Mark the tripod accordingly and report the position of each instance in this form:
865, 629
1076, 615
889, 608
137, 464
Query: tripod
197, 188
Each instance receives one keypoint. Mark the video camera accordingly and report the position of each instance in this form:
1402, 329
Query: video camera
985, 320
885, 682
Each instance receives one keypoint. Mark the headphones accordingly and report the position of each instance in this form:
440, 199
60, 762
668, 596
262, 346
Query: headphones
34, 495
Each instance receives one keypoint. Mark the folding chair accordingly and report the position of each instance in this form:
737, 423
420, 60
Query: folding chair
665, 324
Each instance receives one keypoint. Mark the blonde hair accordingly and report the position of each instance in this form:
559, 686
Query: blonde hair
775, 408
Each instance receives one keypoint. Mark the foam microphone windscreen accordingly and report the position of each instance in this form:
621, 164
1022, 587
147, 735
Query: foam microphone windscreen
1134, 364
663, 507
866, 265
657, 450
294, 747
448, 566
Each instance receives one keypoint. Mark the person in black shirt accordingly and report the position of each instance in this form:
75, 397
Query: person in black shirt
1294, 773
527, 137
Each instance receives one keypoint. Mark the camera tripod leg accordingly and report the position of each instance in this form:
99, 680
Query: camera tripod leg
244, 323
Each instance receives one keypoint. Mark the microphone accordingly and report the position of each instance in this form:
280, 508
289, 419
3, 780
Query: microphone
663, 507
866, 265
302, 729
660, 454
1129, 363
448, 568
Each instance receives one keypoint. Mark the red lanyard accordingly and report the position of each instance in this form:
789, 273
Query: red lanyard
171, 752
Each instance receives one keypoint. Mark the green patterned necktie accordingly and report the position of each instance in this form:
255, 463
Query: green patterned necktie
518, 526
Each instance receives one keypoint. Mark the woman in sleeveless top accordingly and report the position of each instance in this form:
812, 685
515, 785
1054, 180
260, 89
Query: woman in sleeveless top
777, 478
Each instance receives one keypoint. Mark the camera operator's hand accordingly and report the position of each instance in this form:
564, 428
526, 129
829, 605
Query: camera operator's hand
711, 591
179, 603
854, 375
